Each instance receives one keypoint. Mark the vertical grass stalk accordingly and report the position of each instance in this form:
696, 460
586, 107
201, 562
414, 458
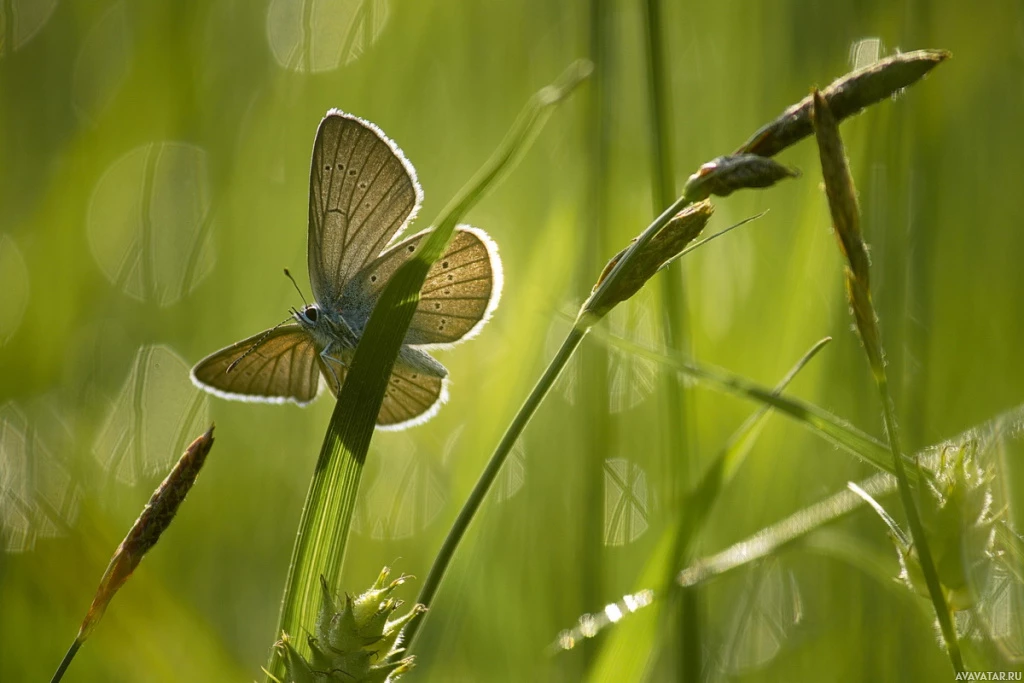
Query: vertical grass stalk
684, 662
846, 222
326, 517
615, 285
597, 426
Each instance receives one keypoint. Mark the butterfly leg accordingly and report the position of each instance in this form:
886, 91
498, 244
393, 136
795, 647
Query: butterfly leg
325, 355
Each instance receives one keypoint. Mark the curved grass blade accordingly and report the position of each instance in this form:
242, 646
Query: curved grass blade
590, 313
819, 420
327, 514
626, 653
625, 656
989, 435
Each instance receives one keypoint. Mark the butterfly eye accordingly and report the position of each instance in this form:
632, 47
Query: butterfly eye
311, 314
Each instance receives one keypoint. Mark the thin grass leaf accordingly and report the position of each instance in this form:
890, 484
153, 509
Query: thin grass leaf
890, 523
627, 653
852, 549
776, 536
155, 518
605, 292
830, 427
327, 514
596, 432
990, 436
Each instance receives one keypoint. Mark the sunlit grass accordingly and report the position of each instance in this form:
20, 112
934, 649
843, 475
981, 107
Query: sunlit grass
115, 111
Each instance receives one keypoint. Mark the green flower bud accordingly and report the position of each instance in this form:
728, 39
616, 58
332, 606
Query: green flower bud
355, 640
956, 510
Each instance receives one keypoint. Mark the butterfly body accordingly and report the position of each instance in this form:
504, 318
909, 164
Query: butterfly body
329, 330
362, 192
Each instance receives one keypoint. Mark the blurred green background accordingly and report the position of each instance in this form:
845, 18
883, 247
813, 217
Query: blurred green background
153, 184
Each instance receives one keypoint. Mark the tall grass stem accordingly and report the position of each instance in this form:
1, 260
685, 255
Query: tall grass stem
327, 515
685, 661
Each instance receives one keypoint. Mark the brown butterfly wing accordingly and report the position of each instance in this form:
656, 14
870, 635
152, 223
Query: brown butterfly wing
417, 389
362, 191
460, 291
275, 366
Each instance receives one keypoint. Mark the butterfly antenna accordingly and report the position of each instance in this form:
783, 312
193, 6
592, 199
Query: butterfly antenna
256, 344
288, 275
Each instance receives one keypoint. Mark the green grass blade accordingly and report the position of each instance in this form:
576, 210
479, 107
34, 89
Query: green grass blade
842, 200
595, 424
819, 420
679, 409
327, 515
991, 434
627, 652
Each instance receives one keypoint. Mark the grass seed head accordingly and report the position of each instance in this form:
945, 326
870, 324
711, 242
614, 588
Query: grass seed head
726, 174
660, 250
847, 96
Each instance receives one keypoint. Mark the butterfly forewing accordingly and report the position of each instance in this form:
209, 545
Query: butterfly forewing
459, 293
362, 192
277, 365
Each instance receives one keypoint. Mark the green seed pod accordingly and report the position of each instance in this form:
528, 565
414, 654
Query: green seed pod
956, 509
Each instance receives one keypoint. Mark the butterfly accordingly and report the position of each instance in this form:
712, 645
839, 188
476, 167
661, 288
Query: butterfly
362, 193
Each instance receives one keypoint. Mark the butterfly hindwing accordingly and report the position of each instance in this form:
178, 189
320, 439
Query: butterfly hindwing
416, 389
459, 293
275, 366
